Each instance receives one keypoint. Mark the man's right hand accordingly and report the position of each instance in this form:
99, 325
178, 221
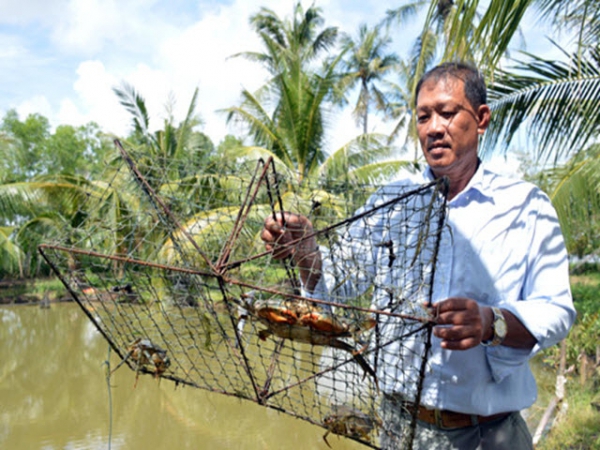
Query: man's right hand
282, 235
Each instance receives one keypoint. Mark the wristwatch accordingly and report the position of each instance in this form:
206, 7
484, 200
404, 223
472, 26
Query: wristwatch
498, 327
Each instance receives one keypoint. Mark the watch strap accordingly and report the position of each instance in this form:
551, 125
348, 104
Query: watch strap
498, 329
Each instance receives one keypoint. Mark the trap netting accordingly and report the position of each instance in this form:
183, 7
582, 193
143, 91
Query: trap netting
173, 273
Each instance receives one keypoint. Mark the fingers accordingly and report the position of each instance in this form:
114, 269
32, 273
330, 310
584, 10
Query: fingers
283, 229
274, 238
294, 223
459, 323
457, 338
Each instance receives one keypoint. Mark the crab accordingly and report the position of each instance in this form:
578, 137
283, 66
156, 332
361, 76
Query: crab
301, 321
344, 420
143, 352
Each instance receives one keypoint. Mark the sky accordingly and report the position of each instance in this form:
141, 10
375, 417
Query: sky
62, 58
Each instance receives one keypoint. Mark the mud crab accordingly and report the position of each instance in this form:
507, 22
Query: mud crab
143, 352
301, 321
344, 420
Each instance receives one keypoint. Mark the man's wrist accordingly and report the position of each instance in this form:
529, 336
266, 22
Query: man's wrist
498, 327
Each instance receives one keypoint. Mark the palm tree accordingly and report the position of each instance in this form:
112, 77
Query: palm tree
173, 152
287, 121
53, 208
579, 16
288, 116
290, 44
367, 63
422, 56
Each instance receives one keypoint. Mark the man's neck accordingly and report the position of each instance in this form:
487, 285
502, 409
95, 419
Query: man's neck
460, 180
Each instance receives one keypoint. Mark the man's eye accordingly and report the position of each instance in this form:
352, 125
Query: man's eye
422, 119
448, 114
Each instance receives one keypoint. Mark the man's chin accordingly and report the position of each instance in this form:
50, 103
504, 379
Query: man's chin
438, 162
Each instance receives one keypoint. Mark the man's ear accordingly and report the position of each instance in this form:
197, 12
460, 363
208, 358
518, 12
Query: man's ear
484, 115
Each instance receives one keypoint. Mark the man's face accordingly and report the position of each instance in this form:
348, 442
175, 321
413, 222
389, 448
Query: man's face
449, 127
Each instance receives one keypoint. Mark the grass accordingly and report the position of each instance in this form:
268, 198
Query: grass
579, 427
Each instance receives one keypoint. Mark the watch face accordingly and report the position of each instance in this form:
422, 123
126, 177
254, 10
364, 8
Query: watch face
500, 328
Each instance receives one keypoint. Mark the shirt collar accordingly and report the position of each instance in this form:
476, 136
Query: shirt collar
478, 183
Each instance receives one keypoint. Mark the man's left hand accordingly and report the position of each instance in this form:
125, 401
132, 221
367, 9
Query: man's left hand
461, 323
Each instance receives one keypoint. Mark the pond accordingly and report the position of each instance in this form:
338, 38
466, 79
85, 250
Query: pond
54, 395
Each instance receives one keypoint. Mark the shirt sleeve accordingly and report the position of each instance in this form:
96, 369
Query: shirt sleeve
546, 306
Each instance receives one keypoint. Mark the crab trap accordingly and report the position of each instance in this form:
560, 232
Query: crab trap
170, 268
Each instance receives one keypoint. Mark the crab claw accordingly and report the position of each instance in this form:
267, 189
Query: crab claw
264, 334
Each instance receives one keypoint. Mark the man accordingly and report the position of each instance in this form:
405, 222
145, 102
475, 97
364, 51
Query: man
502, 290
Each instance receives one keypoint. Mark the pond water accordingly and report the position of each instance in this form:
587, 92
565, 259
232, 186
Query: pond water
54, 395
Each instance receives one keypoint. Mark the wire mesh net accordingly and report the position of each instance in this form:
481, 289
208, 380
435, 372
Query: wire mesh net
173, 273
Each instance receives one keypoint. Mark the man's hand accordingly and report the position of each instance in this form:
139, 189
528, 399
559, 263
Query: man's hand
281, 233
462, 323
283, 237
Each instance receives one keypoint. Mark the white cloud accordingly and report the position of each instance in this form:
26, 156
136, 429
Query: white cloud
96, 100
163, 60
163, 52
87, 24
200, 57
38, 104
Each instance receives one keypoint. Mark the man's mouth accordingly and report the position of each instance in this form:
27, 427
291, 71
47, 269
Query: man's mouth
437, 146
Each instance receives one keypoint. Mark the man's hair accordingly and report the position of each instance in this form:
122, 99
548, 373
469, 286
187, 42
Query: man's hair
474, 84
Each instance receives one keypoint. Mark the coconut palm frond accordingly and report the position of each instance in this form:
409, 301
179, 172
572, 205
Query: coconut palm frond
403, 13
582, 17
576, 197
185, 128
362, 150
254, 153
11, 255
134, 103
379, 173
557, 102
495, 30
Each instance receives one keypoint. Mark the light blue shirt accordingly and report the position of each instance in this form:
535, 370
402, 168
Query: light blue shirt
501, 245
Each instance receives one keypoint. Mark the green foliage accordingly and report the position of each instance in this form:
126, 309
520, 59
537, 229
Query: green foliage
584, 335
290, 43
583, 338
272, 276
176, 151
582, 17
21, 159
574, 188
30, 149
587, 296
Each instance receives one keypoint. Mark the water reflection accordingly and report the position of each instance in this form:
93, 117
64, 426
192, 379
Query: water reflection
54, 396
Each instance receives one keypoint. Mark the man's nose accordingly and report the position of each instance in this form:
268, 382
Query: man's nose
437, 125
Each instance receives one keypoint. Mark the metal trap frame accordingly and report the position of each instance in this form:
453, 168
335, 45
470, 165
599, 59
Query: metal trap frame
171, 272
